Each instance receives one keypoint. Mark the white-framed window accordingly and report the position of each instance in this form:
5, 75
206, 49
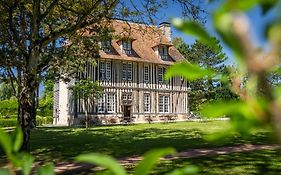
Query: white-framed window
127, 46
163, 52
161, 71
124, 71
146, 100
102, 70
108, 71
124, 96
129, 97
106, 45
127, 71
130, 71
146, 73
110, 103
101, 104
164, 103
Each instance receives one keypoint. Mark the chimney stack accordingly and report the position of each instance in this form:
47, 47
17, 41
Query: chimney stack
166, 30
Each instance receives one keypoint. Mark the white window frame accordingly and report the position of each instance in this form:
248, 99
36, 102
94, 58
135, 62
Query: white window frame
160, 73
146, 73
102, 70
110, 103
130, 71
108, 70
164, 103
127, 46
124, 71
101, 104
146, 103
163, 52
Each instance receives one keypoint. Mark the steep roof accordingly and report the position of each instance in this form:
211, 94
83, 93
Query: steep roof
144, 39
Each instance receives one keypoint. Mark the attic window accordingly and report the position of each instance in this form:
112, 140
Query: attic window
163, 52
106, 46
127, 47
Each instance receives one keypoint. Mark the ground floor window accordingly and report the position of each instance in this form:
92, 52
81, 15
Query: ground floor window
164, 102
146, 102
106, 103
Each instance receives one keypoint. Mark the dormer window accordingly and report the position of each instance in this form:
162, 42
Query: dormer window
106, 46
127, 47
163, 52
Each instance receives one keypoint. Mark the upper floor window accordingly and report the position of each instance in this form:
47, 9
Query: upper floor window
106, 45
127, 71
127, 47
163, 52
105, 70
161, 72
146, 73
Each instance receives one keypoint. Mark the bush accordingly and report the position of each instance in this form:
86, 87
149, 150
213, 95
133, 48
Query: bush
8, 122
9, 107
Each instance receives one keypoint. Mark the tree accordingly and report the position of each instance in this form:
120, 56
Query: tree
33, 35
88, 91
208, 88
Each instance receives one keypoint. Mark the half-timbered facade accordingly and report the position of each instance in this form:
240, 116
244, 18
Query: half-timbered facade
131, 71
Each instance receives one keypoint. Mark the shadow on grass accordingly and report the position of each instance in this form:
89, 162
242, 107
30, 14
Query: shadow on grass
57, 144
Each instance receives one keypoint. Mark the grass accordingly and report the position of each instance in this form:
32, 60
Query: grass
61, 144
251, 163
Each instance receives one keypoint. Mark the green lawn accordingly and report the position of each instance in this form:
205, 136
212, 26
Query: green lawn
59, 144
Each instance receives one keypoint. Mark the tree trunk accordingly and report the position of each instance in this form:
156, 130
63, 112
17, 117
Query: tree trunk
27, 109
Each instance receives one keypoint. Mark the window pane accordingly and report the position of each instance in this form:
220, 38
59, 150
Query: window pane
102, 70
166, 103
130, 71
108, 70
160, 74
124, 71
101, 104
161, 103
110, 102
146, 73
146, 102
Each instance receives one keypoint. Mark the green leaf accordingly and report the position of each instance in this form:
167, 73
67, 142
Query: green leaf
188, 71
224, 108
195, 29
150, 159
17, 139
104, 161
27, 162
5, 142
46, 170
185, 171
4, 171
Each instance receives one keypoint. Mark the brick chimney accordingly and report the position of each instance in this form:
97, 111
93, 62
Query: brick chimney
166, 30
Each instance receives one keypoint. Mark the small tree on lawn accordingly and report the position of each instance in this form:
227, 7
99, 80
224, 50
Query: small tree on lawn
88, 91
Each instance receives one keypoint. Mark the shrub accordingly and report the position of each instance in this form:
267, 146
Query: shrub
8, 122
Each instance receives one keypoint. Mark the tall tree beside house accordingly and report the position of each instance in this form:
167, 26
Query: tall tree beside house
32, 33
206, 89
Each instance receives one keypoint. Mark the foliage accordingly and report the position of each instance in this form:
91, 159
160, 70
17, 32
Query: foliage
45, 107
205, 86
259, 102
9, 107
6, 91
13, 121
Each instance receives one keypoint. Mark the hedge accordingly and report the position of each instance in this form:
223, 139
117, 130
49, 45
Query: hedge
9, 122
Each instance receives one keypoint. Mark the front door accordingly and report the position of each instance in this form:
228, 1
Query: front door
127, 113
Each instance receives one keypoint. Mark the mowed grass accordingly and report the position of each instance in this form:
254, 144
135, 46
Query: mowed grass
54, 144
264, 162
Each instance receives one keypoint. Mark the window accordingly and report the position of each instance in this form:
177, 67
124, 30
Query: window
161, 72
111, 103
127, 46
127, 71
102, 70
106, 45
129, 97
130, 71
146, 73
164, 102
163, 52
146, 102
101, 104
108, 71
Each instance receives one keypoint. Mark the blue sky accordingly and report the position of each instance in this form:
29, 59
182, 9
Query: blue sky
257, 21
